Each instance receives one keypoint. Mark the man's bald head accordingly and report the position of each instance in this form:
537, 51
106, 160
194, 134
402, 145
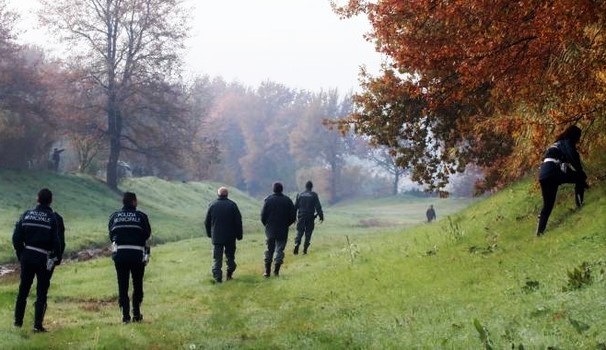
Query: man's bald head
222, 192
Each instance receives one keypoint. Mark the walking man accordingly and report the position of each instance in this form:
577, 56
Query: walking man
129, 231
223, 224
56, 157
38, 240
430, 213
277, 215
308, 207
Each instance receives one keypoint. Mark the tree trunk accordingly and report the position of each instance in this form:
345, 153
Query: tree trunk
334, 181
115, 131
396, 181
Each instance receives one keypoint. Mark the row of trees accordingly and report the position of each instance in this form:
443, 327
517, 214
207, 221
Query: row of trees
484, 82
118, 97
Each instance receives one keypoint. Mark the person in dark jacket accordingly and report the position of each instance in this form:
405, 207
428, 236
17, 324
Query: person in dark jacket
430, 213
277, 215
130, 233
39, 242
223, 224
561, 164
308, 207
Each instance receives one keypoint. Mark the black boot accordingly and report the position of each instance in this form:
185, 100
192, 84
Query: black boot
305, 248
19, 312
296, 251
39, 311
267, 272
125, 313
541, 226
277, 270
137, 316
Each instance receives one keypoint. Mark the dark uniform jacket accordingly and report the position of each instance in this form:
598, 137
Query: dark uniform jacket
566, 152
223, 221
39, 228
129, 226
277, 215
308, 204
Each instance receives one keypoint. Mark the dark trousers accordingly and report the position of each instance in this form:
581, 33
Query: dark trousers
549, 190
230, 259
124, 271
33, 264
305, 226
277, 246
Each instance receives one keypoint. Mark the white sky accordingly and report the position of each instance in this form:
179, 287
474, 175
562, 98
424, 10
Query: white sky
299, 43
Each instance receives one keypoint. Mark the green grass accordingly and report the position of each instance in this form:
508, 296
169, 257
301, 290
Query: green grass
478, 279
176, 209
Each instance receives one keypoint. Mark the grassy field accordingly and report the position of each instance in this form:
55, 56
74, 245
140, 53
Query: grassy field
176, 209
375, 278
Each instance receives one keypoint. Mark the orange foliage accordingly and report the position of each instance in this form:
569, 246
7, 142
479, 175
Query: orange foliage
516, 70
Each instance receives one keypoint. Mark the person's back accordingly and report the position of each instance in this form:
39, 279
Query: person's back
129, 227
224, 221
223, 224
308, 204
278, 214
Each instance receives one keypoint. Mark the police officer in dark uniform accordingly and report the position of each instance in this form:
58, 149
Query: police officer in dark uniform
129, 231
561, 164
308, 207
223, 224
277, 215
39, 242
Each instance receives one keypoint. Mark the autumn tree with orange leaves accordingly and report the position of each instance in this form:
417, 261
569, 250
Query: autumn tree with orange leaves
486, 82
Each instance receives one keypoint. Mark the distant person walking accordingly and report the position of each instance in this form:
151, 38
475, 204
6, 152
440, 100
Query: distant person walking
129, 232
223, 224
56, 157
39, 241
277, 215
308, 207
430, 213
561, 164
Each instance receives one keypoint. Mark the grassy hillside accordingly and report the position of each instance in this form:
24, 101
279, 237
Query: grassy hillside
477, 279
176, 209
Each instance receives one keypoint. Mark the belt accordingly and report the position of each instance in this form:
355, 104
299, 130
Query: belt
552, 160
47, 252
135, 247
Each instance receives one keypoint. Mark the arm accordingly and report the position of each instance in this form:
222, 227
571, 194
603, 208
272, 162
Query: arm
208, 221
293, 213
319, 208
148, 233
18, 238
57, 254
239, 229
61, 233
264, 213
109, 228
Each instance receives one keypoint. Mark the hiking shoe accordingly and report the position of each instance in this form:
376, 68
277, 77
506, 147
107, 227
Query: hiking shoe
138, 318
18, 324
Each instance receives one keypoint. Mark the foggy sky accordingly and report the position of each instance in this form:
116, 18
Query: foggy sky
300, 43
